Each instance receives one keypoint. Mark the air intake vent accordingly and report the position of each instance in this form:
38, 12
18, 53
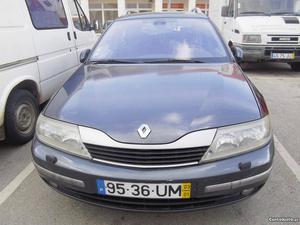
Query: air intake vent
291, 20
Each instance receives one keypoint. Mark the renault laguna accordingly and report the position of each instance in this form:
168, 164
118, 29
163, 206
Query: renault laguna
159, 117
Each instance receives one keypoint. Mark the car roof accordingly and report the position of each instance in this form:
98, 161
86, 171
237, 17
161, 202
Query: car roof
163, 15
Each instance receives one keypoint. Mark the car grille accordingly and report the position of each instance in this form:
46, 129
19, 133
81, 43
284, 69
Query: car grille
147, 157
283, 39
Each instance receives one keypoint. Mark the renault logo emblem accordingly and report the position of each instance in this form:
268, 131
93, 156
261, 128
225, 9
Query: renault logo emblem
144, 131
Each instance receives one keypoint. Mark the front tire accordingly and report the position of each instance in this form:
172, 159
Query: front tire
20, 117
295, 66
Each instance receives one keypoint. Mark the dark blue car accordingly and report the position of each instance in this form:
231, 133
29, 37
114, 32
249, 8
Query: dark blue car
159, 117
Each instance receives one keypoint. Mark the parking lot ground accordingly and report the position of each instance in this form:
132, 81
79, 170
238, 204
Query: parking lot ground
35, 203
12, 160
281, 89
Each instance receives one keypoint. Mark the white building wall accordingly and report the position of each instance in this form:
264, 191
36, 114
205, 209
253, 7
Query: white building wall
121, 8
158, 5
215, 9
191, 4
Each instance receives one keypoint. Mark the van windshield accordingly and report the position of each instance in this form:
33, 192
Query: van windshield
158, 40
268, 7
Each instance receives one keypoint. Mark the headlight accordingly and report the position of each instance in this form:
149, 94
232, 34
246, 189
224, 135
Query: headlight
234, 140
252, 39
60, 135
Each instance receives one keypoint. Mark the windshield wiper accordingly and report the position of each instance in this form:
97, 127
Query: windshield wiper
121, 61
114, 61
173, 61
253, 12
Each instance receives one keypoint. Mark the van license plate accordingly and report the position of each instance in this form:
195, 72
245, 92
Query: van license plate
283, 56
144, 190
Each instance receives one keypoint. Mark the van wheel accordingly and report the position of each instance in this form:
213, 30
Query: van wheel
20, 117
295, 66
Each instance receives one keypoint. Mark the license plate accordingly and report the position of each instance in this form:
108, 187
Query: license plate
144, 190
283, 56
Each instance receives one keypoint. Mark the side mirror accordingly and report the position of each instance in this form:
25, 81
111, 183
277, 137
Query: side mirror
224, 12
84, 55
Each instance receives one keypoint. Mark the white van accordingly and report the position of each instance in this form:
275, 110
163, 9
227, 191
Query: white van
266, 30
40, 44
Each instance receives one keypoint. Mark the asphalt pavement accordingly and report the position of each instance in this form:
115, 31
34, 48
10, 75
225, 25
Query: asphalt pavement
25, 199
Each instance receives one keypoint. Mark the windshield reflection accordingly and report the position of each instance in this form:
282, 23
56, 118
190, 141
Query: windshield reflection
165, 39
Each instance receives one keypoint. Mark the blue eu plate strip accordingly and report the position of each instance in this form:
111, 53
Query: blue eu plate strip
100, 186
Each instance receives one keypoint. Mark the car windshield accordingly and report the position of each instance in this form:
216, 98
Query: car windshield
268, 7
160, 40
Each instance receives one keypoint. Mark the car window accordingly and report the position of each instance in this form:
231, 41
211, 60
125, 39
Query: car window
231, 9
157, 38
84, 22
79, 19
268, 7
47, 14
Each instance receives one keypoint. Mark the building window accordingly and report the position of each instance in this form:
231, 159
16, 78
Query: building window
147, 5
139, 7
110, 5
173, 6
96, 20
131, 6
102, 13
48, 14
110, 15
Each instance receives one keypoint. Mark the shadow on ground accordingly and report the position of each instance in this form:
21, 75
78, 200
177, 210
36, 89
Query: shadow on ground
269, 69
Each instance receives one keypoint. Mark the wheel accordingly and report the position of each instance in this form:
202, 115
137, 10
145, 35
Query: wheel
295, 66
20, 117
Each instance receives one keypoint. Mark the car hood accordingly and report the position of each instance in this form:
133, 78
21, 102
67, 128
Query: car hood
172, 99
268, 24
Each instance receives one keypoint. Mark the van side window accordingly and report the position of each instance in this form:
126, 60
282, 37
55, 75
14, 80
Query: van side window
47, 14
79, 19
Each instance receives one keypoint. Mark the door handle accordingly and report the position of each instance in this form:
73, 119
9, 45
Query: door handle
75, 35
225, 22
69, 36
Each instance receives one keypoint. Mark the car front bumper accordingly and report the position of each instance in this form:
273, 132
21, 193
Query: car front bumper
213, 184
261, 53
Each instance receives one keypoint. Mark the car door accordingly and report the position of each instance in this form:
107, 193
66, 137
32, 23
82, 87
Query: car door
54, 44
84, 36
228, 21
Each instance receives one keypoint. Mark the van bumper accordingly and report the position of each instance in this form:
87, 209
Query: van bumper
262, 53
212, 184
